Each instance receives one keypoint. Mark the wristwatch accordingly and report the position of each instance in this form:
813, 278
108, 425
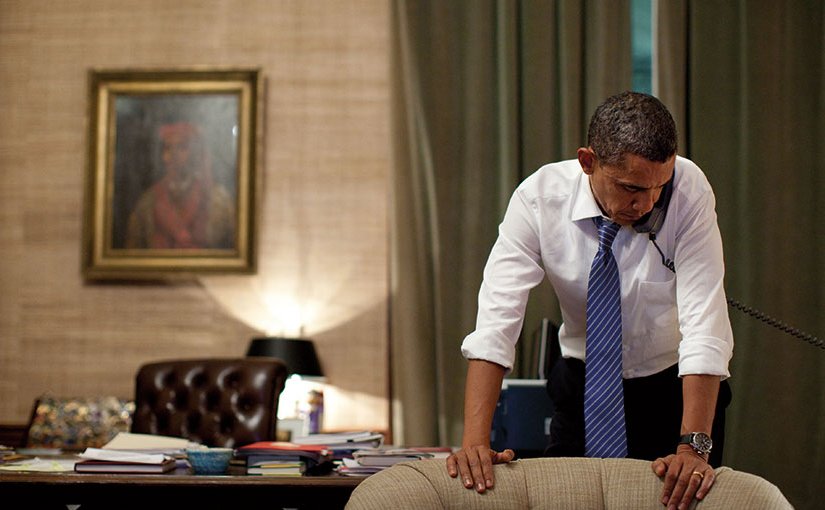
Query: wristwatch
699, 441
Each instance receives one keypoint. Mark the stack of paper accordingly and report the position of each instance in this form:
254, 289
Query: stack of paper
351, 467
169, 446
148, 443
7, 454
371, 460
362, 438
96, 460
387, 457
342, 444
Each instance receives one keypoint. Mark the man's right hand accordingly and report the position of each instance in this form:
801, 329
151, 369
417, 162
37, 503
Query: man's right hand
475, 465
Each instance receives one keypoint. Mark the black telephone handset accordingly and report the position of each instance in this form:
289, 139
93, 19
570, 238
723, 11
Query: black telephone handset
651, 223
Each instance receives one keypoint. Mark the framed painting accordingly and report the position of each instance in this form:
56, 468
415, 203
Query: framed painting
172, 173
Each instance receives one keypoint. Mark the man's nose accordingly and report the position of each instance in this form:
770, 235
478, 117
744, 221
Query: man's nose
644, 201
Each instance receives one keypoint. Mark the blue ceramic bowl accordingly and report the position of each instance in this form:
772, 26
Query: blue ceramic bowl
209, 461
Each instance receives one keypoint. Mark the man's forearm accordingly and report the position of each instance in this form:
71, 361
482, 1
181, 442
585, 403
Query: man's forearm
699, 393
481, 393
474, 461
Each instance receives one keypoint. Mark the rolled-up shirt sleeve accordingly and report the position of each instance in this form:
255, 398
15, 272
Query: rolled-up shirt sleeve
512, 270
707, 339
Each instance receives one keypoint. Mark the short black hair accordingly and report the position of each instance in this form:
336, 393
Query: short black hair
632, 123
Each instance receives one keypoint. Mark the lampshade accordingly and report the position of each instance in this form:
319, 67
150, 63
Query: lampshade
297, 353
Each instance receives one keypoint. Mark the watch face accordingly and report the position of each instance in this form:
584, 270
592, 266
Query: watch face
702, 442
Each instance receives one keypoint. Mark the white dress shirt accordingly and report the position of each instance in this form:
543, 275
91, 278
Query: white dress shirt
666, 318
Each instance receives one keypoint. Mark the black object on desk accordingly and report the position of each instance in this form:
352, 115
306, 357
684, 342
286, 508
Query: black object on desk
522, 417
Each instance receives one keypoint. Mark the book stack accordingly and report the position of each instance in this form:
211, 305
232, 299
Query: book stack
279, 458
7, 454
95, 460
371, 460
343, 444
274, 466
141, 444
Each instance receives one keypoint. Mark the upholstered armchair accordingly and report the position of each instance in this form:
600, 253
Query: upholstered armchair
224, 402
554, 483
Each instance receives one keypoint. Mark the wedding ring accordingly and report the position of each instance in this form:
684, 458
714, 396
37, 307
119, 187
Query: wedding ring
701, 475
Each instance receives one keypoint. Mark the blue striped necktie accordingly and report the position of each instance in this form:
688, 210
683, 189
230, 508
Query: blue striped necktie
604, 426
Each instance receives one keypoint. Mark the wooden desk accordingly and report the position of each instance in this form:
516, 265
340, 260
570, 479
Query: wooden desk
175, 490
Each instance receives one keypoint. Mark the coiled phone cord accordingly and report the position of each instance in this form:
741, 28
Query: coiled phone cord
805, 337
753, 312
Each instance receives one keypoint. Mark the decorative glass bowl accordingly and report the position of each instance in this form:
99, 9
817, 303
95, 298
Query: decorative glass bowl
209, 461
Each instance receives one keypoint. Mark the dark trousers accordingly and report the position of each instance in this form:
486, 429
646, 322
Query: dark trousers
653, 413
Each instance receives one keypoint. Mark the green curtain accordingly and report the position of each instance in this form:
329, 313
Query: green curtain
485, 92
754, 112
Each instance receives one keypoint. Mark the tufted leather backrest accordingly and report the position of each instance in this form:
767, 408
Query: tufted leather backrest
224, 402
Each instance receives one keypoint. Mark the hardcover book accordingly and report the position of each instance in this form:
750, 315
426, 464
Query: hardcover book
282, 449
105, 466
96, 460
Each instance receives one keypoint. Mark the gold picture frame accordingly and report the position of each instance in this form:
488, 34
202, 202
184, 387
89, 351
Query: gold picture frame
173, 171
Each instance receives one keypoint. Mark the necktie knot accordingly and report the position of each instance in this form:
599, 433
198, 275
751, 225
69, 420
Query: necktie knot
607, 233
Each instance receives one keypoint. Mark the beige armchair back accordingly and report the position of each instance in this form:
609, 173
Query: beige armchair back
554, 483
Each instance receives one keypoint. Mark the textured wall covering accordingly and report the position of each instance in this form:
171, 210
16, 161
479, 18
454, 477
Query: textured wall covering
322, 229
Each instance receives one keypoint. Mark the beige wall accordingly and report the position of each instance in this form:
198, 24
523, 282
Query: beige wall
323, 228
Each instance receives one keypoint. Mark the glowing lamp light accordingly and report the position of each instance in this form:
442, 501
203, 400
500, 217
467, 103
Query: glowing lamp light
302, 390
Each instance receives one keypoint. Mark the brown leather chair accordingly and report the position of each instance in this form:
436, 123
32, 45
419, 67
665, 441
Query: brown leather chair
224, 402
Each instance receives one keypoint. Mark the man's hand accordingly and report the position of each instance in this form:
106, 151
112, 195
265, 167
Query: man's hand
474, 461
475, 465
687, 475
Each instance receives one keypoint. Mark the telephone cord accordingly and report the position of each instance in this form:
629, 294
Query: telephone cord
767, 319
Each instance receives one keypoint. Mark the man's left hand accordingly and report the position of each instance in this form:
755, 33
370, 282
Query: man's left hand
687, 475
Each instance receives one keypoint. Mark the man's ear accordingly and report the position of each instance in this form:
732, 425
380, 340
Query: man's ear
587, 159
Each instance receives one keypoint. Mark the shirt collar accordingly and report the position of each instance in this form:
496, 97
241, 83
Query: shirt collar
584, 203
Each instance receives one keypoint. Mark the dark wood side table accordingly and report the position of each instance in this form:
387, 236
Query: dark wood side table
175, 490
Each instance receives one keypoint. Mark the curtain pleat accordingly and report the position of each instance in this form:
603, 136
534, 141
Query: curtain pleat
485, 92
755, 121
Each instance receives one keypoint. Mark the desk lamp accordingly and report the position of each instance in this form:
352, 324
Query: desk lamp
297, 353
300, 358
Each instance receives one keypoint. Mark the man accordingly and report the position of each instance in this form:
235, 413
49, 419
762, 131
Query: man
186, 208
670, 331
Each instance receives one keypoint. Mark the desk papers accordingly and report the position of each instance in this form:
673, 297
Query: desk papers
371, 460
115, 461
342, 444
123, 456
379, 457
343, 440
148, 443
41, 465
